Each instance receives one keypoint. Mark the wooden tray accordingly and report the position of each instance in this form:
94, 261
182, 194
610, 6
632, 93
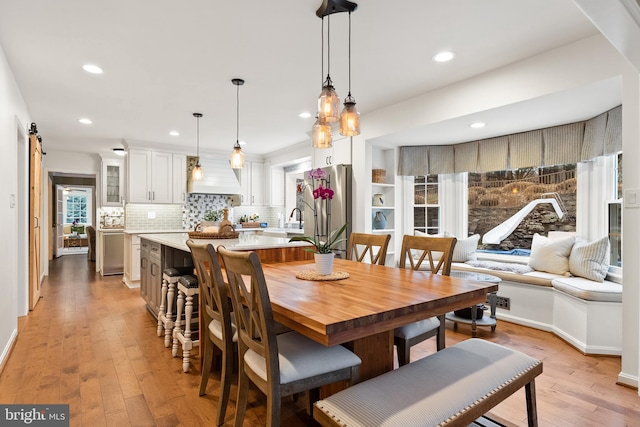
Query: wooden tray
201, 235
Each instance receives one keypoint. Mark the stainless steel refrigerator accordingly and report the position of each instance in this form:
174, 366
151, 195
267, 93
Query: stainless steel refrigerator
336, 212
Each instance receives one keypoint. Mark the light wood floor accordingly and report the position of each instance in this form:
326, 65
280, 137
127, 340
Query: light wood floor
91, 343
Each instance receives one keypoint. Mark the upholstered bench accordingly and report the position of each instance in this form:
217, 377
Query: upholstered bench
452, 387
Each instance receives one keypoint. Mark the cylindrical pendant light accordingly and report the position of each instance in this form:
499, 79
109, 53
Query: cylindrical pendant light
329, 101
321, 135
237, 157
350, 117
197, 173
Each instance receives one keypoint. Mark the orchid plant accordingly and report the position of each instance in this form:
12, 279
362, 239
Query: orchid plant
322, 194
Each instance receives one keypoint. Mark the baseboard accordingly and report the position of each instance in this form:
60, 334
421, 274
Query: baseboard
627, 380
503, 315
7, 349
130, 283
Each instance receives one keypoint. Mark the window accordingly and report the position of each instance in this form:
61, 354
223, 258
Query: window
426, 208
614, 223
511, 206
76, 209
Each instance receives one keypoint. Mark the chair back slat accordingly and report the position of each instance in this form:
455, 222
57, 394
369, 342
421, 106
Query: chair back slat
361, 244
437, 250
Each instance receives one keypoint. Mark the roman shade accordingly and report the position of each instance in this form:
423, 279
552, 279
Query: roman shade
570, 143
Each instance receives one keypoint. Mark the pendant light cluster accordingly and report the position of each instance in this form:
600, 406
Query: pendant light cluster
197, 174
237, 157
329, 101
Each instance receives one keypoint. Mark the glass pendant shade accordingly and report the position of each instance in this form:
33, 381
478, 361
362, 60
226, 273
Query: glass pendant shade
321, 137
350, 118
328, 104
237, 158
197, 174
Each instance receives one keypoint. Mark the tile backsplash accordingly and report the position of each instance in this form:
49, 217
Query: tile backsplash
173, 217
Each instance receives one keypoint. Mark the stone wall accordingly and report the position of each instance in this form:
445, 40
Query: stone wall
490, 207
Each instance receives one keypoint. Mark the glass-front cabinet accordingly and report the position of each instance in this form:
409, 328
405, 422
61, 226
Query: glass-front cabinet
112, 182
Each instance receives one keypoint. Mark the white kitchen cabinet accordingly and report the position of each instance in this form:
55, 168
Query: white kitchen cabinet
179, 178
338, 154
252, 184
112, 182
276, 187
150, 176
131, 260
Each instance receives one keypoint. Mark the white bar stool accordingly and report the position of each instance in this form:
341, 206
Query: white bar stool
166, 318
187, 288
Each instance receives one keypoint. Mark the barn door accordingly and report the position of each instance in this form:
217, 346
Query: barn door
35, 210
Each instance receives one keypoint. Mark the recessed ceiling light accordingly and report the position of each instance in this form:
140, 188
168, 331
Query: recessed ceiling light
174, 133
93, 69
119, 151
304, 115
85, 121
444, 56
477, 125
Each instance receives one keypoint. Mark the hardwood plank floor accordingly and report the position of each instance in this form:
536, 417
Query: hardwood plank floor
91, 343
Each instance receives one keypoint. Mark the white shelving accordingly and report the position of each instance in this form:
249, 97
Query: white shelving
384, 198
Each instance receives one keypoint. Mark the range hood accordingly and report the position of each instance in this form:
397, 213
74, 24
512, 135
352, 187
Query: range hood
219, 178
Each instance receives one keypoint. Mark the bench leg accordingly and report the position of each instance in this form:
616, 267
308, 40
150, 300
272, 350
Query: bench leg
532, 413
441, 333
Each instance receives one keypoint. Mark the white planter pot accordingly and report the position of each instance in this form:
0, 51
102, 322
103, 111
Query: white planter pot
324, 263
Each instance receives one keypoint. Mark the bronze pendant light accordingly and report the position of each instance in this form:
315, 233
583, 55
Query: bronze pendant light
237, 157
197, 173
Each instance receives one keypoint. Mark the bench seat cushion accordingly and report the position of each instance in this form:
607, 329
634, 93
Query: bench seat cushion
537, 278
437, 388
589, 290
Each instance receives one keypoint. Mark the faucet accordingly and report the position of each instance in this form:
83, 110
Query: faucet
299, 218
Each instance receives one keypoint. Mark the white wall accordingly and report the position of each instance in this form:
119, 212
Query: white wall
13, 116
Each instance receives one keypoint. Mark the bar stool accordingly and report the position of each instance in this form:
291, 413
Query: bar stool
187, 289
166, 318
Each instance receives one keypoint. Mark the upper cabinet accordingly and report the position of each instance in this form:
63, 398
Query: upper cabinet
150, 176
252, 184
276, 187
179, 178
338, 154
112, 182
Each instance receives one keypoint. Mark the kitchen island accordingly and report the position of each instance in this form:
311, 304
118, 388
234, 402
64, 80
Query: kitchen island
163, 250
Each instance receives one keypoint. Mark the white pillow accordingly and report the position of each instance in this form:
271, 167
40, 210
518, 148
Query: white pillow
590, 259
465, 249
551, 256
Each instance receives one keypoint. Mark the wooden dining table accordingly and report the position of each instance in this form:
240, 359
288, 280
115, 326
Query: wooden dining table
362, 310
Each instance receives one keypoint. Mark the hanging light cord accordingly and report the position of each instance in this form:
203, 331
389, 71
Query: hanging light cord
237, 115
328, 46
349, 54
322, 53
198, 138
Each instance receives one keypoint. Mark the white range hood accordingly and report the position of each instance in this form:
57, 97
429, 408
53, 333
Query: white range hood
219, 178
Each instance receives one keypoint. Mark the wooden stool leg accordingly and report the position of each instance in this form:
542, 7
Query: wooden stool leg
188, 344
163, 307
532, 413
178, 325
170, 322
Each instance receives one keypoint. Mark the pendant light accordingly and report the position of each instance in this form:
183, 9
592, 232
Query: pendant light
350, 117
237, 157
329, 101
321, 136
197, 174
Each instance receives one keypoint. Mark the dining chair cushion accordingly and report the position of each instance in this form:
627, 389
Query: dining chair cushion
216, 329
417, 328
300, 357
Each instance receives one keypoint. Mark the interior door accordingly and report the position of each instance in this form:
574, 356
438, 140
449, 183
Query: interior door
35, 180
59, 224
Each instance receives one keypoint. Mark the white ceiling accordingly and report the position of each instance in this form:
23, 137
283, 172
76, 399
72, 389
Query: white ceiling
164, 60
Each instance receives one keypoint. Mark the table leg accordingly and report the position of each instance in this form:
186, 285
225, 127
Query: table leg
473, 321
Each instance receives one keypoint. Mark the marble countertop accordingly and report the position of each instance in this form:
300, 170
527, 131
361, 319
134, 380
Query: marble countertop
154, 231
244, 242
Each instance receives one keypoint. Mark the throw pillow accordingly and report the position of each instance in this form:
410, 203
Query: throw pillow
465, 249
551, 256
590, 259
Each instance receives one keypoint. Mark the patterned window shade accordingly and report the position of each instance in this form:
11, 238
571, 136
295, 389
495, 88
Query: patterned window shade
593, 144
493, 154
441, 159
466, 157
414, 161
613, 132
525, 149
563, 144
